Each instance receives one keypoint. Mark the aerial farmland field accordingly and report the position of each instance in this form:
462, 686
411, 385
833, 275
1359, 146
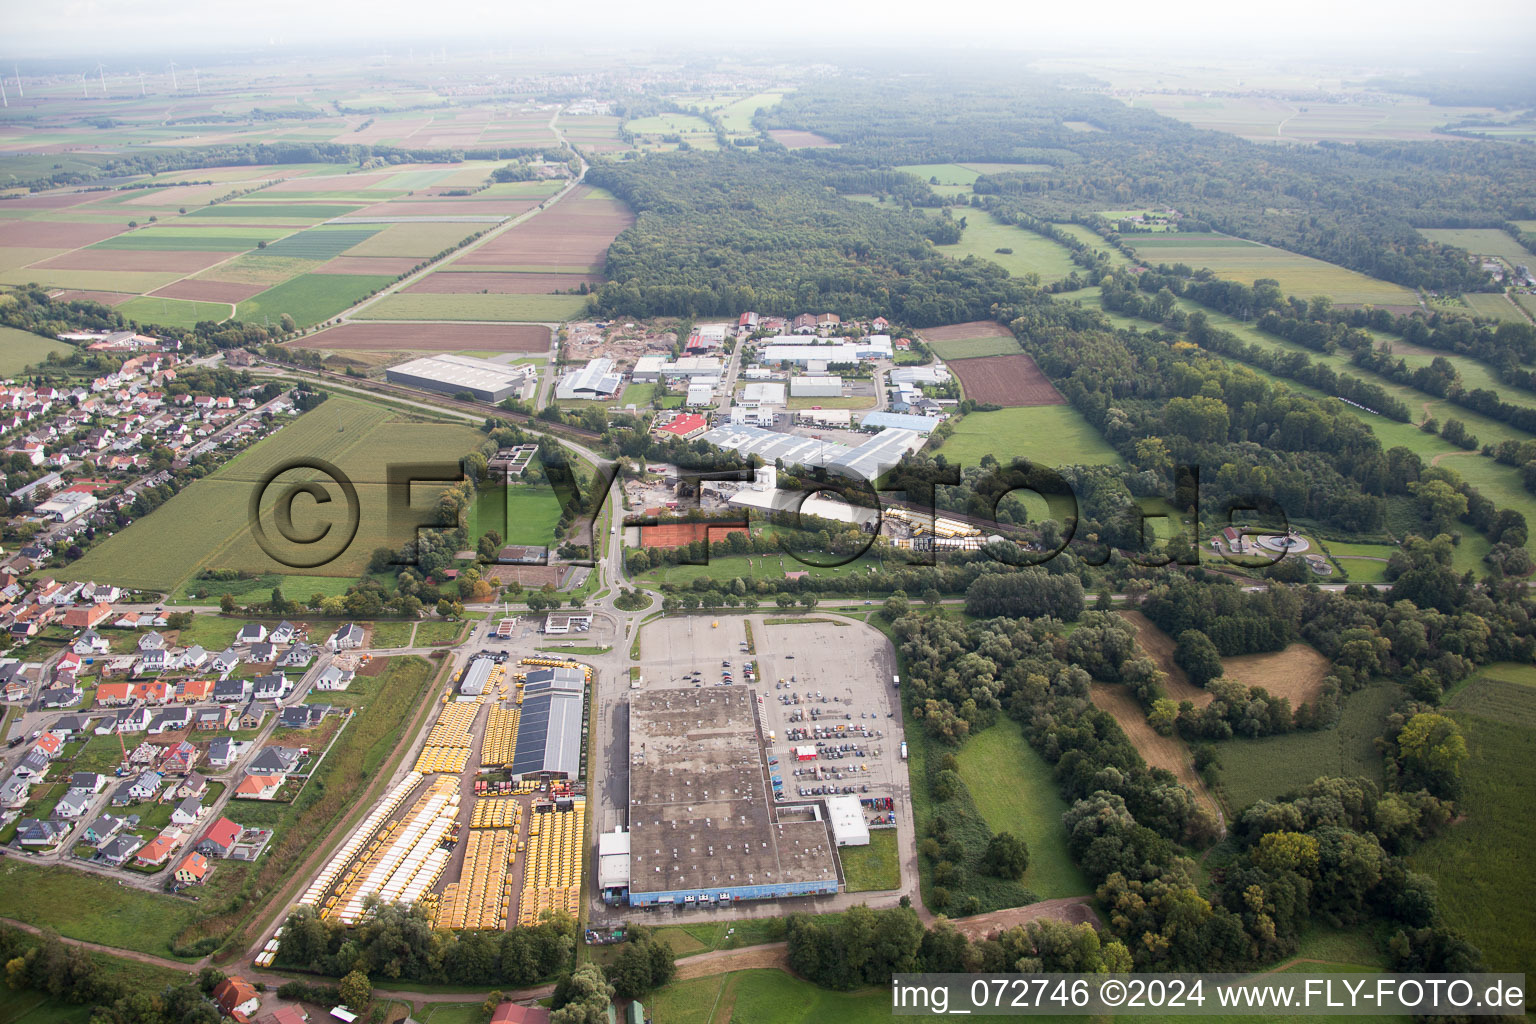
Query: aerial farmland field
20, 349
1481, 242
440, 306
1030, 253
1237, 259
1052, 435
206, 525
312, 298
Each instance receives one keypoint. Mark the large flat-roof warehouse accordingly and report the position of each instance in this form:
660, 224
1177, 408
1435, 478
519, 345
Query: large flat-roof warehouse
702, 826
449, 375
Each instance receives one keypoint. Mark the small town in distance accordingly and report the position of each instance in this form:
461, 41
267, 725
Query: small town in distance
534, 528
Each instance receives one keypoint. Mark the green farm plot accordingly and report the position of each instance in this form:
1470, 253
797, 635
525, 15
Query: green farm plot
1091, 238
767, 566
1015, 791
411, 180
311, 298
20, 349
151, 309
872, 868
947, 174
321, 243
206, 525
669, 124
307, 213
973, 348
508, 308
1481, 242
1527, 303
1492, 694
521, 189
192, 238
251, 589
1495, 305
30, 1007
1031, 253
130, 281
437, 633
736, 115
1238, 259
1054, 435
1475, 860
1265, 768
522, 514
392, 634
767, 997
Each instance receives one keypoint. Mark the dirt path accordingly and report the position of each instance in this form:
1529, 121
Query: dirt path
1157, 750
1159, 646
1070, 909
96, 947
723, 961
1447, 455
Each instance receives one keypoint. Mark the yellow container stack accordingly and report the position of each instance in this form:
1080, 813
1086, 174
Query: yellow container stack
480, 898
500, 737
497, 812
447, 746
552, 874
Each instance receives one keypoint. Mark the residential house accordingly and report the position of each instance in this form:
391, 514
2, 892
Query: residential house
222, 753
231, 691
187, 812
89, 783
258, 787
251, 633
70, 725
13, 793
236, 998
34, 765
37, 834
252, 715
195, 784
302, 716
151, 641
297, 656
219, 839
111, 694
193, 691
117, 851
104, 828
88, 617
261, 653
170, 720
179, 759
192, 869
223, 662
283, 633
133, 720
158, 850
211, 719
348, 637
152, 661
72, 805
136, 790
61, 696
333, 678
193, 657
274, 761
272, 686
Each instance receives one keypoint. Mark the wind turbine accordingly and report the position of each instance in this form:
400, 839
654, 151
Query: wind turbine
101, 70
141, 85
17, 72
4, 99
197, 82
84, 88
174, 86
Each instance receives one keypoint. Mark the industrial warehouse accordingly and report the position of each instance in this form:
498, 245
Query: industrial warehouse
702, 826
450, 375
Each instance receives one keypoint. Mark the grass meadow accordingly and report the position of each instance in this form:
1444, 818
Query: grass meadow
1032, 254
1054, 435
875, 867
1015, 792
1477, 859
1481, 242
1259, 769
1494, 305
973, 348
1237, 259
522, 514
149, 309
206, 526
311, 298
20, 349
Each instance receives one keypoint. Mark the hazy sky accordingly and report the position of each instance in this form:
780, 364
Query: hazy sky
69, 27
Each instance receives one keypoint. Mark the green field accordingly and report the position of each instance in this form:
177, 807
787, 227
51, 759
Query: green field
1260, 769
973, 348
20, 349
1032, 254
1475, 860
947, 174
1015, 792
1237, 259
1495, 305
769, 566
510, 308
130, 281
91, 907
522, 514
413, 239
309, 213
1055, 435
875, 867
766, 997
149, 309
192, 238
206, 525
258, 588
1481, 242
311, 298
736, 115
321, 243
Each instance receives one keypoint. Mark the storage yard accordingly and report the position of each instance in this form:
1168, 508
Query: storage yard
479, 841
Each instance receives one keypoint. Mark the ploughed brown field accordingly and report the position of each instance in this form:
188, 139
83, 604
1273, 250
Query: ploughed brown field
973, 329
50, 201
134, 260
330, 183
794, 139
200, 290
1157, 750
448, 208
497, 283
1011, 380
439, 337
1159, 646
1295, 673
54, 234
105, 298
574, 233
368, 265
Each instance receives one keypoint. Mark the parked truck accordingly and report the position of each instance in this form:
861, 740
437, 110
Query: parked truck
903, 750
